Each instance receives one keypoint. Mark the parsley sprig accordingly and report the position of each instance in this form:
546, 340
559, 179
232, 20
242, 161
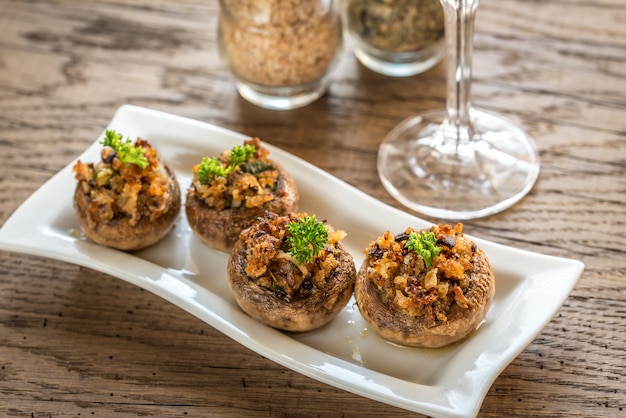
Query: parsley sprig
424, 244
308, 238
240, 154
124, 149
211, 167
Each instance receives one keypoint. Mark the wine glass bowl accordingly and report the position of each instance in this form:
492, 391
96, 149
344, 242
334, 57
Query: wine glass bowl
462, 162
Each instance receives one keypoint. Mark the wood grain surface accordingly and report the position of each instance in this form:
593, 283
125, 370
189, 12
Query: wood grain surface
74, 342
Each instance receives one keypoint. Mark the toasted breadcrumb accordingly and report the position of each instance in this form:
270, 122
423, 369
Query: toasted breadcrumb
405, 283
270, 264
239, 188
117, 189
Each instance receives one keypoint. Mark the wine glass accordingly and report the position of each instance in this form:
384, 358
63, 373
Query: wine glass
461, 162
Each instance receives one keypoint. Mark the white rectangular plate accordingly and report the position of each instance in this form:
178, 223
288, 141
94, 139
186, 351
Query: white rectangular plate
449, 382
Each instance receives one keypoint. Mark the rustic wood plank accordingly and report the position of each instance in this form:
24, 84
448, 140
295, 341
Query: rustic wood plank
74, 342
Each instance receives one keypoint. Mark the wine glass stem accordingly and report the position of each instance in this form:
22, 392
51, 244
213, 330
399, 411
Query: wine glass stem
459, 26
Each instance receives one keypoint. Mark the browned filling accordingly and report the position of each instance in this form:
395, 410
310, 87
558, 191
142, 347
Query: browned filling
269, 263
116, 188
406, 284
249, 185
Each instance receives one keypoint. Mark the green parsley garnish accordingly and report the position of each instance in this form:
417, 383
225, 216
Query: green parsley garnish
211, 167
308, 238
239, 154
424, 244
125, 151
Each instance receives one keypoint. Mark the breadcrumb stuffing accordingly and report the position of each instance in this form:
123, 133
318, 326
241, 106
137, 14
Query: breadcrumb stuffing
269, 262
116, 188
244, 186
404, 282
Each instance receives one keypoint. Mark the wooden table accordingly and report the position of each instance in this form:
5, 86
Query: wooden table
74, 342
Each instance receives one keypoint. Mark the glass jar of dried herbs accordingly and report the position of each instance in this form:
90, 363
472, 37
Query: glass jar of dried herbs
280, 52
396, 37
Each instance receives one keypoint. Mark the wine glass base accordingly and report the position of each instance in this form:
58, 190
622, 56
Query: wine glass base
445, 171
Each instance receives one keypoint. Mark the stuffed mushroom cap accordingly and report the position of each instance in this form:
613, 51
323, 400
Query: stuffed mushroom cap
126, 205
220, 206
430, 301
272, 287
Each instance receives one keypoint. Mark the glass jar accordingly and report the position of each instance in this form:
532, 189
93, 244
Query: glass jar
396, 37
280, 52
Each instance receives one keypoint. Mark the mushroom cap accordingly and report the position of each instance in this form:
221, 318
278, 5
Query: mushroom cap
118, 233
400, 328
300, 313
220, 229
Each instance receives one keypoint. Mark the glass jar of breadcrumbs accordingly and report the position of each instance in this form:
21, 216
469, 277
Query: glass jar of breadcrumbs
396, 37
280, 52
